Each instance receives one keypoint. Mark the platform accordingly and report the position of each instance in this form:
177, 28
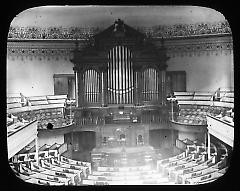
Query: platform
123, 156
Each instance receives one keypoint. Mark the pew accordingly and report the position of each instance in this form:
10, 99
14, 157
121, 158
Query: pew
75, 162
55, 173
38, 178
50, 166
84, 169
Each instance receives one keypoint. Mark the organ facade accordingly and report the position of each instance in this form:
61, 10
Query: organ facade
120, 81
119, 67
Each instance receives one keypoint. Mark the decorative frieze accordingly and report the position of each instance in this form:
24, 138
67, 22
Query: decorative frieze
59, 50
199, 49
165, 31
39, 53
186, 30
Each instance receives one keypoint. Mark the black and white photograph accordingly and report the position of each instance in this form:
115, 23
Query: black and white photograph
119, 95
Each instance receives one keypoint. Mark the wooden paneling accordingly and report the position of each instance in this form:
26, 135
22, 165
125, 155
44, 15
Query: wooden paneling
176, 81
21, 138
221, 130
60, 86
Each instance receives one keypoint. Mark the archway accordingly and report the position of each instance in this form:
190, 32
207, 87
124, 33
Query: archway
122, 137
140, 140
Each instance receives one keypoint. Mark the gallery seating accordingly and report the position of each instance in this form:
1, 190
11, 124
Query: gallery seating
206, 174
194, 106
44, 109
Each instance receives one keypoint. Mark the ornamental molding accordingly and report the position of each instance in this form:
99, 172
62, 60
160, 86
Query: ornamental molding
58, 49
158, 31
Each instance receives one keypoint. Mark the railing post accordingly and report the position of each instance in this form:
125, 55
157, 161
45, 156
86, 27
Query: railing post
208, 148
37, 154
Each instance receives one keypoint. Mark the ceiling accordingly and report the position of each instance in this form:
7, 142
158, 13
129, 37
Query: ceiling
104, 16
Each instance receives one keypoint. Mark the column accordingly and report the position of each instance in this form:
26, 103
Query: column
160, 87
135, 95
102, 90
76, 87
138, 85
80, 89
104, 87
72, 144
163, 87
100, 87
208, 147
37, 155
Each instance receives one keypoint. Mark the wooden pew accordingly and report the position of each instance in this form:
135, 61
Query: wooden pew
208, 176
73, 177
187, 173
173, 174
37, 178
172, 165
43, 182
48, 165
75, 162
160, 163
84, 169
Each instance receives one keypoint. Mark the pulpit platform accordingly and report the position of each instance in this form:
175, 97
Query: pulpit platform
123, 145
123, 156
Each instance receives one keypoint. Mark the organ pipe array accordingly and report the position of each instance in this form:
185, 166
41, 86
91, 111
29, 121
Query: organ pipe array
120, 76
92, 81
121, 81
150, 85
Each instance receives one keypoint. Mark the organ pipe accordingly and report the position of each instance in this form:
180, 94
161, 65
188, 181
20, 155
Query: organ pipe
122, 79
91, 86
150, 85
120, 76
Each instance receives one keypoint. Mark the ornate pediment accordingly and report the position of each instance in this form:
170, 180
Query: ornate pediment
119, 30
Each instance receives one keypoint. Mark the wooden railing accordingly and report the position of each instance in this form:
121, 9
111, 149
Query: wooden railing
221, 129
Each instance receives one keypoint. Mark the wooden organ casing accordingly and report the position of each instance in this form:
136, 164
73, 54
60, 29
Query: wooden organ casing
118, 67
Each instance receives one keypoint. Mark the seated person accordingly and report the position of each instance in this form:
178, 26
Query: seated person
9, 120
227, 119
12, 117
23, 100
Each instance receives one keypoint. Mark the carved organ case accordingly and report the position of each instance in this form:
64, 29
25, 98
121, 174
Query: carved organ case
120, 66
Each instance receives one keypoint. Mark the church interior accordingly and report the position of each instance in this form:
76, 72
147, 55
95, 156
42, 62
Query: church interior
120, 95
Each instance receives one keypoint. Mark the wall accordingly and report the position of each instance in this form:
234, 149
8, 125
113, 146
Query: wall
207, 69
35, 77
191, 136
206, 72
162, 138
50, 137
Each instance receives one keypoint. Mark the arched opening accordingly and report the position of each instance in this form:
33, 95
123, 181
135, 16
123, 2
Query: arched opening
122, 137
140, 140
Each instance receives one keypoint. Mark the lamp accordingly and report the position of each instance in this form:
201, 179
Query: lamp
172, 99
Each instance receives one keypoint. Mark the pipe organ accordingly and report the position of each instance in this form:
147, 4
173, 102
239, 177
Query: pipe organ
150, 85
120, 69
91, 83
120, 76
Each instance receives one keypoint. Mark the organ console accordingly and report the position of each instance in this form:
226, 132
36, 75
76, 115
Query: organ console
119, 70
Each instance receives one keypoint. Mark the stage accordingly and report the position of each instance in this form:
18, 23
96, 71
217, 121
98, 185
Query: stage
123, 156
